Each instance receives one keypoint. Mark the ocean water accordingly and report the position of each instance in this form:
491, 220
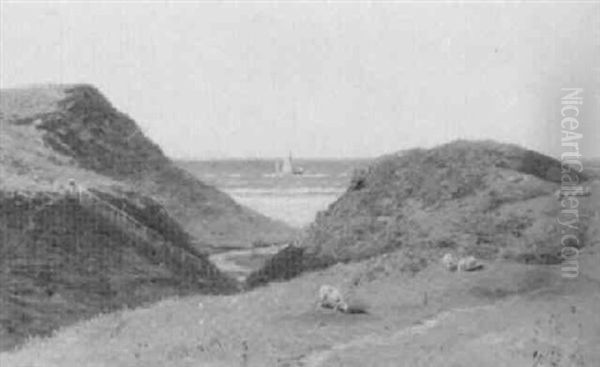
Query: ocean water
294, 199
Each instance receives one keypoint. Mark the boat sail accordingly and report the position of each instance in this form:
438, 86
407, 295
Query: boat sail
287, 167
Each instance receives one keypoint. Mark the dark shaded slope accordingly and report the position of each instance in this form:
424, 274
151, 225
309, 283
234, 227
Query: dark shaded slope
89, 129
479, 198
62, 262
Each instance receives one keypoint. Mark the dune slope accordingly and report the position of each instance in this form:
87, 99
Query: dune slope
484, 198
51, 131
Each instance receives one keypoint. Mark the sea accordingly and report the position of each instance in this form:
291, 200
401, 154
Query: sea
293, 199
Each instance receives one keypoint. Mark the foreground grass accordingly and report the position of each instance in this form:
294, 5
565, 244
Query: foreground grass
508, 308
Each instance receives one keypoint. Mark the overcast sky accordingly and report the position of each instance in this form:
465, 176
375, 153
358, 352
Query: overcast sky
322, 80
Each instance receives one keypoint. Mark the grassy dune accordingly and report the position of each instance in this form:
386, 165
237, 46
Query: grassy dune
52, 133
472, 197
485, 199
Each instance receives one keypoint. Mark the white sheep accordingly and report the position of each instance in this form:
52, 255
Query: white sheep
331, 297
468, 264
449, 262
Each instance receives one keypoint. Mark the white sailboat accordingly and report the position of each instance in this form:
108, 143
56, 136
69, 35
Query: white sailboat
286, 167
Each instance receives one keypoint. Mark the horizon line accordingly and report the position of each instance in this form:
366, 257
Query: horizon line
239, 158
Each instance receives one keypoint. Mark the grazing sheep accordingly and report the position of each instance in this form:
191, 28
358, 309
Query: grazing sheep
449, 262
468, 264
331, 297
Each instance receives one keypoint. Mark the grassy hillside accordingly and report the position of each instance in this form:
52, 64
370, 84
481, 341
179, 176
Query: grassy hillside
58, 130
62, 262
484, 199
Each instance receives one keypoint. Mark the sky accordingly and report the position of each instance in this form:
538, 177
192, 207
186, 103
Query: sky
319, 79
